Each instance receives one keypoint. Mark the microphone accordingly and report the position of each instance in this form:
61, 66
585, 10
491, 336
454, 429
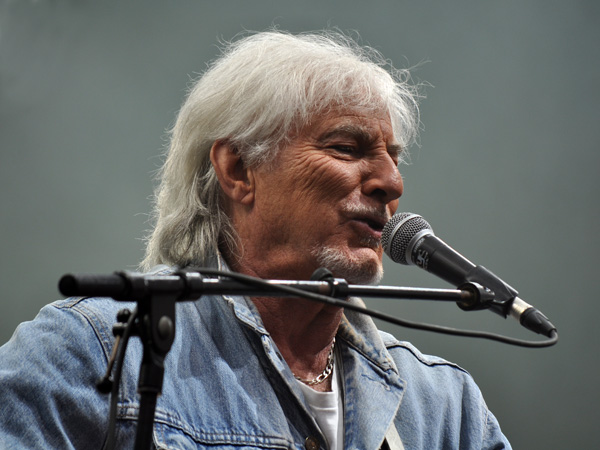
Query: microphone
408, 239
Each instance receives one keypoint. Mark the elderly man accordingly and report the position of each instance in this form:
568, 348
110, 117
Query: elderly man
283, 159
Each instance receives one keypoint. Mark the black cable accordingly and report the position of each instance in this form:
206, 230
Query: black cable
379, 315
114, 393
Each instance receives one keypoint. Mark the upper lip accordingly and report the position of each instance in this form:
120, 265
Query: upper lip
375, 221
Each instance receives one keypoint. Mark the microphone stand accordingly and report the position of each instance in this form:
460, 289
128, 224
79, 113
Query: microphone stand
156, 296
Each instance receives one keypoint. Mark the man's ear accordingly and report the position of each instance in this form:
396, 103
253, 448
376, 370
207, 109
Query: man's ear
236, 180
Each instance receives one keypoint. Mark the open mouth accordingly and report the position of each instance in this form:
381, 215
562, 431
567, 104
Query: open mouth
370, 222
374, 224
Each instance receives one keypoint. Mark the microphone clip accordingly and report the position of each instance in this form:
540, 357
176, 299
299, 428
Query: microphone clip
479, 298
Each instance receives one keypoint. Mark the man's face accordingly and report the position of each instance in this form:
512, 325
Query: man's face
327, 197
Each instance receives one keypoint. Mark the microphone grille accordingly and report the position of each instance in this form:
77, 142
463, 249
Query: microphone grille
398, 233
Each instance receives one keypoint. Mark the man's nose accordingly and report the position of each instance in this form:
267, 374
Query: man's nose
383, 180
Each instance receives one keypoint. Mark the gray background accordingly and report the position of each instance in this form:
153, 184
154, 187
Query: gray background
507, 169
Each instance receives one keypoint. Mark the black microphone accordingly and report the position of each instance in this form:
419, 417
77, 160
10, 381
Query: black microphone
407, 238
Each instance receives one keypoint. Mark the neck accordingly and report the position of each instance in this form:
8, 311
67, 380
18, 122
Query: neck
303, 331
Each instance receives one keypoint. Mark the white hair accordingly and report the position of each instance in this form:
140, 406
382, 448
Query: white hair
263, 89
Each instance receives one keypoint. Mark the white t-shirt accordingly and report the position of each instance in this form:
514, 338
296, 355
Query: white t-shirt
328, 409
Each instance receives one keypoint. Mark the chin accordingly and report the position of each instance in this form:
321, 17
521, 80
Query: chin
355, 269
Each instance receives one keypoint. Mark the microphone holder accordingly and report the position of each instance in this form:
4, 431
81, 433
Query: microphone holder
156, 296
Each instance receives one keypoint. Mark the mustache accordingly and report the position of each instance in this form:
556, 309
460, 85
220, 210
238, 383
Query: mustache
380, 214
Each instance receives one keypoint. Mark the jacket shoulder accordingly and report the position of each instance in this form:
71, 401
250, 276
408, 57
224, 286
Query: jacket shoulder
407, 351
98, 313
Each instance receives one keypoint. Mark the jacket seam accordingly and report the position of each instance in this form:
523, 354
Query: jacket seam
93, 320
423, 360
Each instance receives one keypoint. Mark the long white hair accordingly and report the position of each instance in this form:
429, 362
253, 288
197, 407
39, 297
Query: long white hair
262, 89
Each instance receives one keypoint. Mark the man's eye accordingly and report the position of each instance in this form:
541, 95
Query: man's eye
344, 149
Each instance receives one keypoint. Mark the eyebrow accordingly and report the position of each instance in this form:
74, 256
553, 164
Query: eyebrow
361, 135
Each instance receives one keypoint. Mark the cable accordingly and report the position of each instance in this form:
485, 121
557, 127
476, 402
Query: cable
114, 393
379, 315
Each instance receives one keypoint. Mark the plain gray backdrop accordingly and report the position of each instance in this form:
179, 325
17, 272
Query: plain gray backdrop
506, 171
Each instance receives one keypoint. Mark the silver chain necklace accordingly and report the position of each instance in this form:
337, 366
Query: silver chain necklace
323, 375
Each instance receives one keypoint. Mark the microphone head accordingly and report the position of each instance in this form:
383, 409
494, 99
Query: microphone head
400, 234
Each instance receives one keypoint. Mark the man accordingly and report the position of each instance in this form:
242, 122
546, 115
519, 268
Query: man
283, 160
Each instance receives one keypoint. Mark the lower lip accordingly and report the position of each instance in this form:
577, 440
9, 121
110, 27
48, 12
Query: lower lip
364, 227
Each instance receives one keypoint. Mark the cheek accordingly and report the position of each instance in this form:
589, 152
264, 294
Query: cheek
324, 179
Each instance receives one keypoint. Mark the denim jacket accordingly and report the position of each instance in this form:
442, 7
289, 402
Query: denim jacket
226, 386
